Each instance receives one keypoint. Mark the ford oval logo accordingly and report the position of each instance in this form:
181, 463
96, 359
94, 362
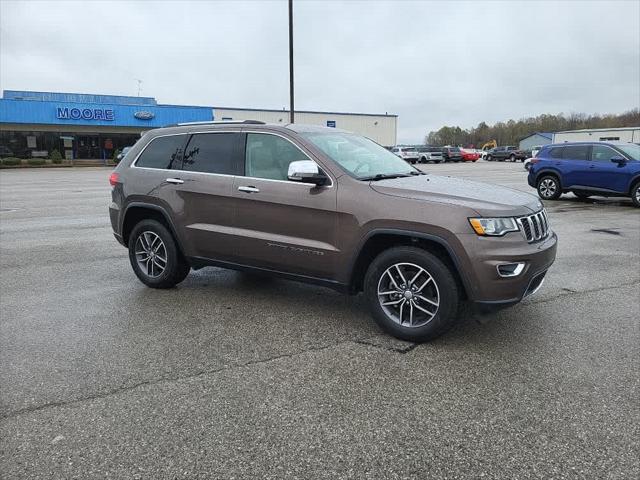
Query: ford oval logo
144, 115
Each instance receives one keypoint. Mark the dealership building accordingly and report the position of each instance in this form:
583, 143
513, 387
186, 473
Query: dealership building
90, 126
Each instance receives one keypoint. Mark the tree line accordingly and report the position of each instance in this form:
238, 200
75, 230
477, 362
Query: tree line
511, 132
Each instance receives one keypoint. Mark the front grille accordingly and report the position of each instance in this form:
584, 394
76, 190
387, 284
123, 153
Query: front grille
534, 227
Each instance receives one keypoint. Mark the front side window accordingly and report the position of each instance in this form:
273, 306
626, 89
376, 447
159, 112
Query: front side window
268, 156
602, 153
576, 152
212, 153
162, 152
631, 150
358, 155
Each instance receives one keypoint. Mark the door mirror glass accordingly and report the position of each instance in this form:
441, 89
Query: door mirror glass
306, 171
619, 160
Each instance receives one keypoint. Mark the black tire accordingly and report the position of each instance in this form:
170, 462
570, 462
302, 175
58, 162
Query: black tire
512, 158
581, 195
489, 158
176, 268
548, 187
443, 284
635, 194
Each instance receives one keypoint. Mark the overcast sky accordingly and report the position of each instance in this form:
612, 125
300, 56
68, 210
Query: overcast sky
432, 63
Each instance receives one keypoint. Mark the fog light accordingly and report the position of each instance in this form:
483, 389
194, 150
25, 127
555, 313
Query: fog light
510, 269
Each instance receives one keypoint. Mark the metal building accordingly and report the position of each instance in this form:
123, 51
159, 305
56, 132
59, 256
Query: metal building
382, 128
623, 134
536, 139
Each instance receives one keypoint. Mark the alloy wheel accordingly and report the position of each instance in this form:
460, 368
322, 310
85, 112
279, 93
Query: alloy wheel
408, 294
547, 188
151, 254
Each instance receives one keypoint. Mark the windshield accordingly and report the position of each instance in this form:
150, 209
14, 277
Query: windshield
631, 150
358, 155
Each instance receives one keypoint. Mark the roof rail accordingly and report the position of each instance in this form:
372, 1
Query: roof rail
217, 122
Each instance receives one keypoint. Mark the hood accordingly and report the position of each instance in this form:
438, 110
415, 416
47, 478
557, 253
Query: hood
487, 200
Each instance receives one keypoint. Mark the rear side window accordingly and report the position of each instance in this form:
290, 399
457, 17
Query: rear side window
212, 153
162, 152
556, 152
576, 152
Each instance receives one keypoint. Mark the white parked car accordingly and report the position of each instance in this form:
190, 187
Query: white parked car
409, 154
535, 150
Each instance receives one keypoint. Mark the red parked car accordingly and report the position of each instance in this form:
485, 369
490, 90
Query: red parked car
469, 156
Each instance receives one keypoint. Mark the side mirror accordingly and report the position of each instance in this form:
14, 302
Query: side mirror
619, 160
307, 171
119, 156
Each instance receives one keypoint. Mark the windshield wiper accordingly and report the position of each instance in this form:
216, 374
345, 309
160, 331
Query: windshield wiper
384, 176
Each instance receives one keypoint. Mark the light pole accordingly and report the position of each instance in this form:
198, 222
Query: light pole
291, 116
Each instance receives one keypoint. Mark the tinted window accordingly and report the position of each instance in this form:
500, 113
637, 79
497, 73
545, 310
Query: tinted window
576, 152
602, 153
211, 153
269, 156
162, 152
556, 152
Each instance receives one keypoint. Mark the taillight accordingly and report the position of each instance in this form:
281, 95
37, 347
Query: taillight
114, 179
534, 160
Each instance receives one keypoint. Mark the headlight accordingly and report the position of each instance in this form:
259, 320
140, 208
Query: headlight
494, 227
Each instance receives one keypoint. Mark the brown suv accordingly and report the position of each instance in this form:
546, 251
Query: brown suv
329, 207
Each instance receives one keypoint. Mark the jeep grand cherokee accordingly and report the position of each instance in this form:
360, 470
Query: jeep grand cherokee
328, 207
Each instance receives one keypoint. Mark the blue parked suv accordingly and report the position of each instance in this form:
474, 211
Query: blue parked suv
587, 168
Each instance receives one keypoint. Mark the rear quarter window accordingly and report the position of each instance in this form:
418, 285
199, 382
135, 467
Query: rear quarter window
555, 152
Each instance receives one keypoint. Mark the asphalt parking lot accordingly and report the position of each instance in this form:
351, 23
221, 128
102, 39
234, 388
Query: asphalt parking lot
233, 376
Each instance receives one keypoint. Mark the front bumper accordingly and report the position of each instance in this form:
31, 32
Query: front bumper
488, 287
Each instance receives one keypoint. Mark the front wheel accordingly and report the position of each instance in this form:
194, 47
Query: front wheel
411, 293
489, 158
155, 257
549, 187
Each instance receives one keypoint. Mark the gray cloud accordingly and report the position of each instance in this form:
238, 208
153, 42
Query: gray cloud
433, 63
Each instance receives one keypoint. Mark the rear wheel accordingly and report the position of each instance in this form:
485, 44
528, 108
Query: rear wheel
549, 187
512, 157
489, 158
635, 194
411, 293
155, 257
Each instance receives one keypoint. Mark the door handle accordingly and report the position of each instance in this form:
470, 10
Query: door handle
175, 181
249, 189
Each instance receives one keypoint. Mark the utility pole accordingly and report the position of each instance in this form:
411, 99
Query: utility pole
139, 85
291, 115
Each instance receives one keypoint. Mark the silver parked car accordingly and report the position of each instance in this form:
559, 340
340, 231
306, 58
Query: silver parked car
430, 154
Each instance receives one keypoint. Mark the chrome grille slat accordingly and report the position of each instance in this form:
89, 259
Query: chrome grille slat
534, 227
